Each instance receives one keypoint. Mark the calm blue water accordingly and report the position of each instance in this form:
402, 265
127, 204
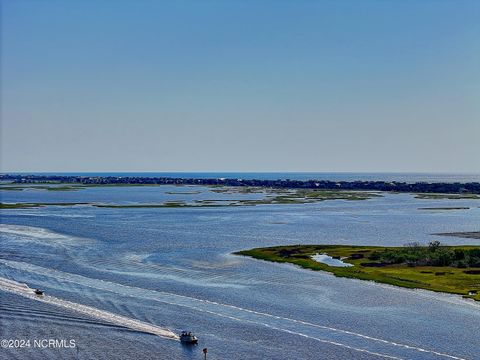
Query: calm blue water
173, 268
332, 176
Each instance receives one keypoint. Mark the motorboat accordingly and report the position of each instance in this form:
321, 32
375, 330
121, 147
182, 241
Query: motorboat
187, 337
38, 292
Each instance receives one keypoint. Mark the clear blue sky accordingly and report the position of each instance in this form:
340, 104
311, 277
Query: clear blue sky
246, 85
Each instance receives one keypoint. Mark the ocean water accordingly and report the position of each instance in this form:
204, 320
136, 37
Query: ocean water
122, 282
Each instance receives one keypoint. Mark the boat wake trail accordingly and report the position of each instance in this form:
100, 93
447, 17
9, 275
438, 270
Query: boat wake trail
326, 334
23, 290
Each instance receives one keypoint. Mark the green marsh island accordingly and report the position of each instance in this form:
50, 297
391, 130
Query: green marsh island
449, 269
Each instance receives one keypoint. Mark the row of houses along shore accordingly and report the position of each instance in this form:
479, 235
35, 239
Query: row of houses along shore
417, 187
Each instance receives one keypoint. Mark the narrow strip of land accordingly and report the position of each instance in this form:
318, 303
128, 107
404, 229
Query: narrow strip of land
453, 190
444, 208
270, 196
464, 234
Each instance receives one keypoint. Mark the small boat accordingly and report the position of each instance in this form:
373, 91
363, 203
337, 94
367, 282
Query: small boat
38, 292
187, 337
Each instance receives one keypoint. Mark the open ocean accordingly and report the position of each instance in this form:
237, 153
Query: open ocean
121, 282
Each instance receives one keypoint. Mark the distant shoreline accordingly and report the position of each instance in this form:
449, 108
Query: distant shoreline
390, 186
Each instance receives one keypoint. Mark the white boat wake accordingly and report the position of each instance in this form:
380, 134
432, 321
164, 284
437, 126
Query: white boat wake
23, 290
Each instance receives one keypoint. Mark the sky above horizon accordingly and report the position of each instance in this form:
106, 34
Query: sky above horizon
353, 85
